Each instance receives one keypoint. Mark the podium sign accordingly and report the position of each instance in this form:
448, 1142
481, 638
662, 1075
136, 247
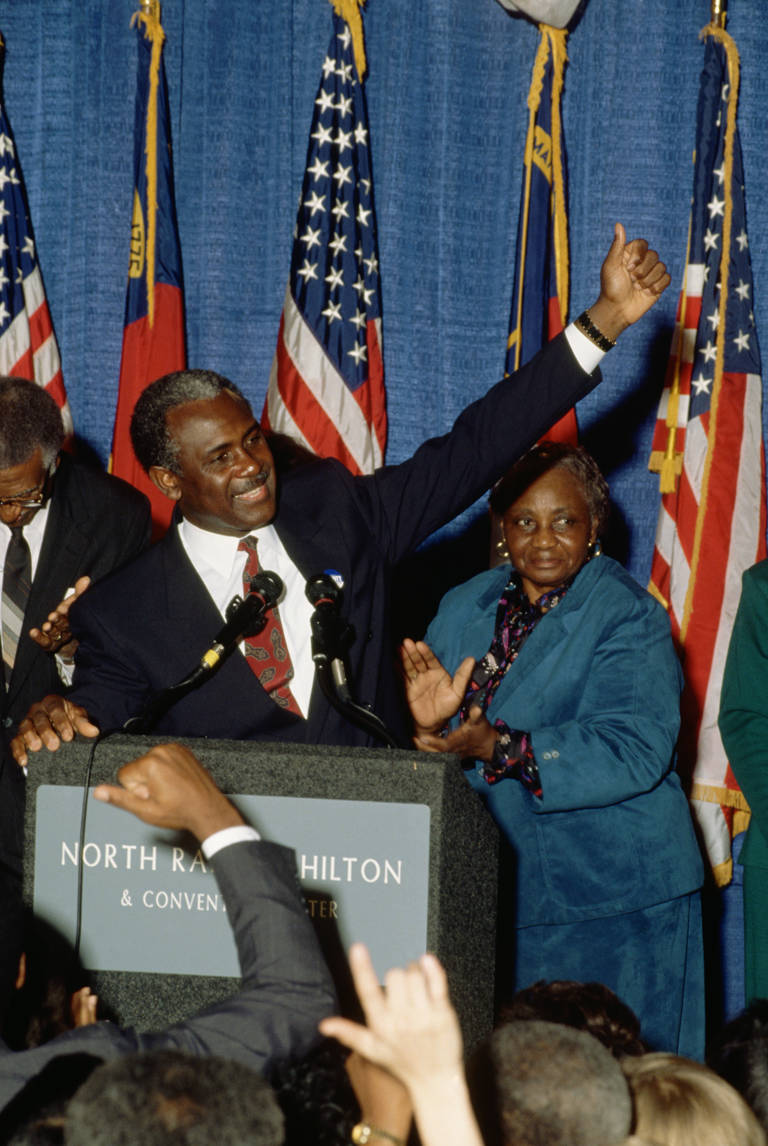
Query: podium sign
151, 902
393, 848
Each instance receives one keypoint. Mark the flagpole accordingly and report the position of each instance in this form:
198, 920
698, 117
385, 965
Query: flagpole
719, 12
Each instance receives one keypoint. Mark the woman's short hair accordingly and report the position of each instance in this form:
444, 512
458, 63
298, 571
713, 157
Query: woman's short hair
544, 457
151, 441
679, 1101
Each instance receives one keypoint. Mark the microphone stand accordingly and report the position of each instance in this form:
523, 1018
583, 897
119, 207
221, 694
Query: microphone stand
243, 615
355, 713
332, 637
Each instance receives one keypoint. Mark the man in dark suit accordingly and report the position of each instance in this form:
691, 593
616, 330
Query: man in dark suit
145, 628
286, 987
72, 524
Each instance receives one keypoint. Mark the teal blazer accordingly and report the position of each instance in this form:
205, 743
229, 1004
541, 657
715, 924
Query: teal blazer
597, 684
744, 708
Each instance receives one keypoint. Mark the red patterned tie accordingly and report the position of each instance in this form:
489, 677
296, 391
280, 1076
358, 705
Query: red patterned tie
267, 653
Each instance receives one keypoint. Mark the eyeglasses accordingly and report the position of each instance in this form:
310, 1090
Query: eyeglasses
33, 498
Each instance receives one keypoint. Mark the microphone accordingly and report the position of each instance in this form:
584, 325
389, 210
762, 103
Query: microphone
332, 637
244, 617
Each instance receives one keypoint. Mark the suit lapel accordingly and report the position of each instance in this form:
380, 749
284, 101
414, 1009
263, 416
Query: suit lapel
530, 678
189, 609
61, 555
193, 619
299, 526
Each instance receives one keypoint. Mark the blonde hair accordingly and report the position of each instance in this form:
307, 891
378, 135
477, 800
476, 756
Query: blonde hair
678, 1101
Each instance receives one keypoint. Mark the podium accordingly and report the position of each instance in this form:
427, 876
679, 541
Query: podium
393, 848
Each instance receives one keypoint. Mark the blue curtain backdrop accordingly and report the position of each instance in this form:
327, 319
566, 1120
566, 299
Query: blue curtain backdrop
447, 99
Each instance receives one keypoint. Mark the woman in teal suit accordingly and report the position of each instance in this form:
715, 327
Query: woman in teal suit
744, 729
566, 702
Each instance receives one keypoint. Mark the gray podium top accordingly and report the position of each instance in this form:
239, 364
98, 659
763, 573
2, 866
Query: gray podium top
393, 847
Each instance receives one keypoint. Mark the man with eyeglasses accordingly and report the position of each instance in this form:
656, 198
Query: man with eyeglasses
62, 525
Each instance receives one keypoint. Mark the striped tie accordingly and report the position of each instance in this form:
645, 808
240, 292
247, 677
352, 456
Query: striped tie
17, 579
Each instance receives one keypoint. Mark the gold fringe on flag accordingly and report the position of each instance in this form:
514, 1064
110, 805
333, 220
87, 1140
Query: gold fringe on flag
149, 18
349, 10
552, 40
717, 794
735, 801
732, 56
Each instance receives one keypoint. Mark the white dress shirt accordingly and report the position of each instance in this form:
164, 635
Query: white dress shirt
225, 837
220, 566
587, 354
33, 535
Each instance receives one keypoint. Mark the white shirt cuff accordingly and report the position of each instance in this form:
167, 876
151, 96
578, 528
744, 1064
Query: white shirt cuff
222, 839
585, 352
65, 669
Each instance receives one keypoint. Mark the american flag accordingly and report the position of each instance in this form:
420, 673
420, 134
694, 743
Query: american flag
153, 335
708, 447
540, 297
28, 346
326, 387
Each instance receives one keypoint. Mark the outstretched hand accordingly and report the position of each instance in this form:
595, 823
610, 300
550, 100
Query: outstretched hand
412, 1032
54, 635
433, 695
169, 787
412, 1029
632, 278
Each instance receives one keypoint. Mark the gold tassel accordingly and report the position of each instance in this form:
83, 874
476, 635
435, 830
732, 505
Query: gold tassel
669, 465
349, 10
668, 475
149, 19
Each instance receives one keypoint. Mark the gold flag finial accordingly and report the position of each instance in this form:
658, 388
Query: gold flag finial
719, 12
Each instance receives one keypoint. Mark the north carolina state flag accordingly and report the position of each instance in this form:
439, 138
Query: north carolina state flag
540, 299
153, 338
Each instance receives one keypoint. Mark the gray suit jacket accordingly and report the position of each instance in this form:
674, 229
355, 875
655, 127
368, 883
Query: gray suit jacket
286, 987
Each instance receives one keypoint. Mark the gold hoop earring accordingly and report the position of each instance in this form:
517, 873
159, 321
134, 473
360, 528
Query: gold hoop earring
501, 549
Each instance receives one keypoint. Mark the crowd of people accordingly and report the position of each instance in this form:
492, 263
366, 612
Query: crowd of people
552, 675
